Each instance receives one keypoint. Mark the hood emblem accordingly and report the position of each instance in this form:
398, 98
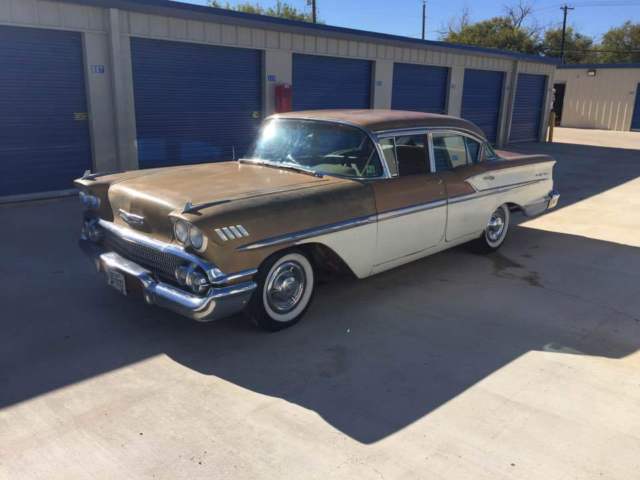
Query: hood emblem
131, 218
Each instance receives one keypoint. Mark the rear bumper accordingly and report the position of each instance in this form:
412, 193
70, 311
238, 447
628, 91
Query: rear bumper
547, 203
217, 303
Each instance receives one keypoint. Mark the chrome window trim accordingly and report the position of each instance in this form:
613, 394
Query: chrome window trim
408, 133
482, 142
214, 274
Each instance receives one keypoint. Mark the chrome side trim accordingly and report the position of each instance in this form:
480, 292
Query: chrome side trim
214, 274
492, 191
308, 233
399, 212
293, 237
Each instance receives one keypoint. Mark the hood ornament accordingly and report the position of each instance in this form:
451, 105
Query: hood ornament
131, 218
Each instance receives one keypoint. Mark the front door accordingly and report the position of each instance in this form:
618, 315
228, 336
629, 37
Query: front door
411, 206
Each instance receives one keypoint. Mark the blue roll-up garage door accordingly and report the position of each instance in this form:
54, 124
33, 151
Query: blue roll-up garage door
420, 88
481, 99
194, 103
635, 120
44, 133
528, 108
329, 82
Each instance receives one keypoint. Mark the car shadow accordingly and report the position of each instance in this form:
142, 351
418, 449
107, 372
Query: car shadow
371, 357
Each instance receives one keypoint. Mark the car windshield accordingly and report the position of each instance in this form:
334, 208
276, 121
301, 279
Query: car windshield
319, 147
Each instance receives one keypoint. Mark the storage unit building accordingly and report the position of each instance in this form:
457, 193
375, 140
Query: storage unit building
602, 96
112, 85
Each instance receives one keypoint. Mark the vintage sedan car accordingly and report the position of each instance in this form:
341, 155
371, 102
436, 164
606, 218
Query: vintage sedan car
359, 190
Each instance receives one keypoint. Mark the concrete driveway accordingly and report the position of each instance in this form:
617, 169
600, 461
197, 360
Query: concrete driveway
523, 364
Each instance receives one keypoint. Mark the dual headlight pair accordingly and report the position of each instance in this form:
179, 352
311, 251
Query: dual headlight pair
189, 235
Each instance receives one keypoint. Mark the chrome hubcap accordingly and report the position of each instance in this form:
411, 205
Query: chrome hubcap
496, 225
285, 287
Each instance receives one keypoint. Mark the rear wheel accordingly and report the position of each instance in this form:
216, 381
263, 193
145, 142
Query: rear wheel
286, 285
495, 232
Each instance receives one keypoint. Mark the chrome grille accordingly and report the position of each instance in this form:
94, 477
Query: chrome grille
162, 264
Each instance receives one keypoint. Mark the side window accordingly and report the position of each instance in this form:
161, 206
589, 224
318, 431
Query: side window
411, 154
488, 153
473, 149
388, 147
450, 151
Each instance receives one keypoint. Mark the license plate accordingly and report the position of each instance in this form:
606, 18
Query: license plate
116, 280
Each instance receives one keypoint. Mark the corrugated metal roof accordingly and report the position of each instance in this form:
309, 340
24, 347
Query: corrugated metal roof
203, 13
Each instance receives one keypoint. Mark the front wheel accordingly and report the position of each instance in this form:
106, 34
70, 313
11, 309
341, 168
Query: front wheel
495, 232
286, 284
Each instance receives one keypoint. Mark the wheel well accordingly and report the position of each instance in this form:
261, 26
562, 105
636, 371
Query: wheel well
326, 261
514, 207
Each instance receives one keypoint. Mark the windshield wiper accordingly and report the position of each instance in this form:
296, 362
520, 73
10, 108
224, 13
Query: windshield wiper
282, 165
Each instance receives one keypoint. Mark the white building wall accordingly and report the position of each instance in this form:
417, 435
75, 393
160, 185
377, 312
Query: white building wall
107, 33
605, 101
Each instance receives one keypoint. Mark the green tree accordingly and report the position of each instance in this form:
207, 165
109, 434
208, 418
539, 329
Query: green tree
578, 48
621, 44
509, 32
281, 10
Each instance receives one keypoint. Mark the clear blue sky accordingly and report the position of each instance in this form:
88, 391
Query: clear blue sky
402, 17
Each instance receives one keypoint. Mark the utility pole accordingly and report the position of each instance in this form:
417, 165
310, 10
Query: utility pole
424, 18
564, 9
314, 14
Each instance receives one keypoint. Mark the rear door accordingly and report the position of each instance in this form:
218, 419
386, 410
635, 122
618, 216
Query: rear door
456, 158
322, 82
411, 205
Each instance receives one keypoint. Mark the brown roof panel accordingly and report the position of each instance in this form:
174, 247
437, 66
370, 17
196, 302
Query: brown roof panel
378, 120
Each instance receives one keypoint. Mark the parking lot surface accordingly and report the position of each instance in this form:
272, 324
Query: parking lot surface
522, 364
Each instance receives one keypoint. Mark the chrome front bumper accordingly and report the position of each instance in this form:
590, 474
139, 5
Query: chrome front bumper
219, 301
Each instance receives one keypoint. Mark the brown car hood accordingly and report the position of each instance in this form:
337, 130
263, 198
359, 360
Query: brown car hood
155, 194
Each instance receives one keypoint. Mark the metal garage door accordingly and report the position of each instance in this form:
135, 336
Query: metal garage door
194, 103
44, 134
481, 99
635, 120
330, 82
421, 88
528, 108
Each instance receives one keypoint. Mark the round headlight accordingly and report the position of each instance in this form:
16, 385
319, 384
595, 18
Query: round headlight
196, 238
181, 231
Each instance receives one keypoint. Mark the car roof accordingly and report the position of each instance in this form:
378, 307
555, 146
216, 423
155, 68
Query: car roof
379, 120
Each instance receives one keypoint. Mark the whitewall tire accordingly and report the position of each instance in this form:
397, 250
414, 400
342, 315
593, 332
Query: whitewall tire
496, 230
286, 284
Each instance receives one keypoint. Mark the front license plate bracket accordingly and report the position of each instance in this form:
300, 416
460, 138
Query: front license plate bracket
117, 280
